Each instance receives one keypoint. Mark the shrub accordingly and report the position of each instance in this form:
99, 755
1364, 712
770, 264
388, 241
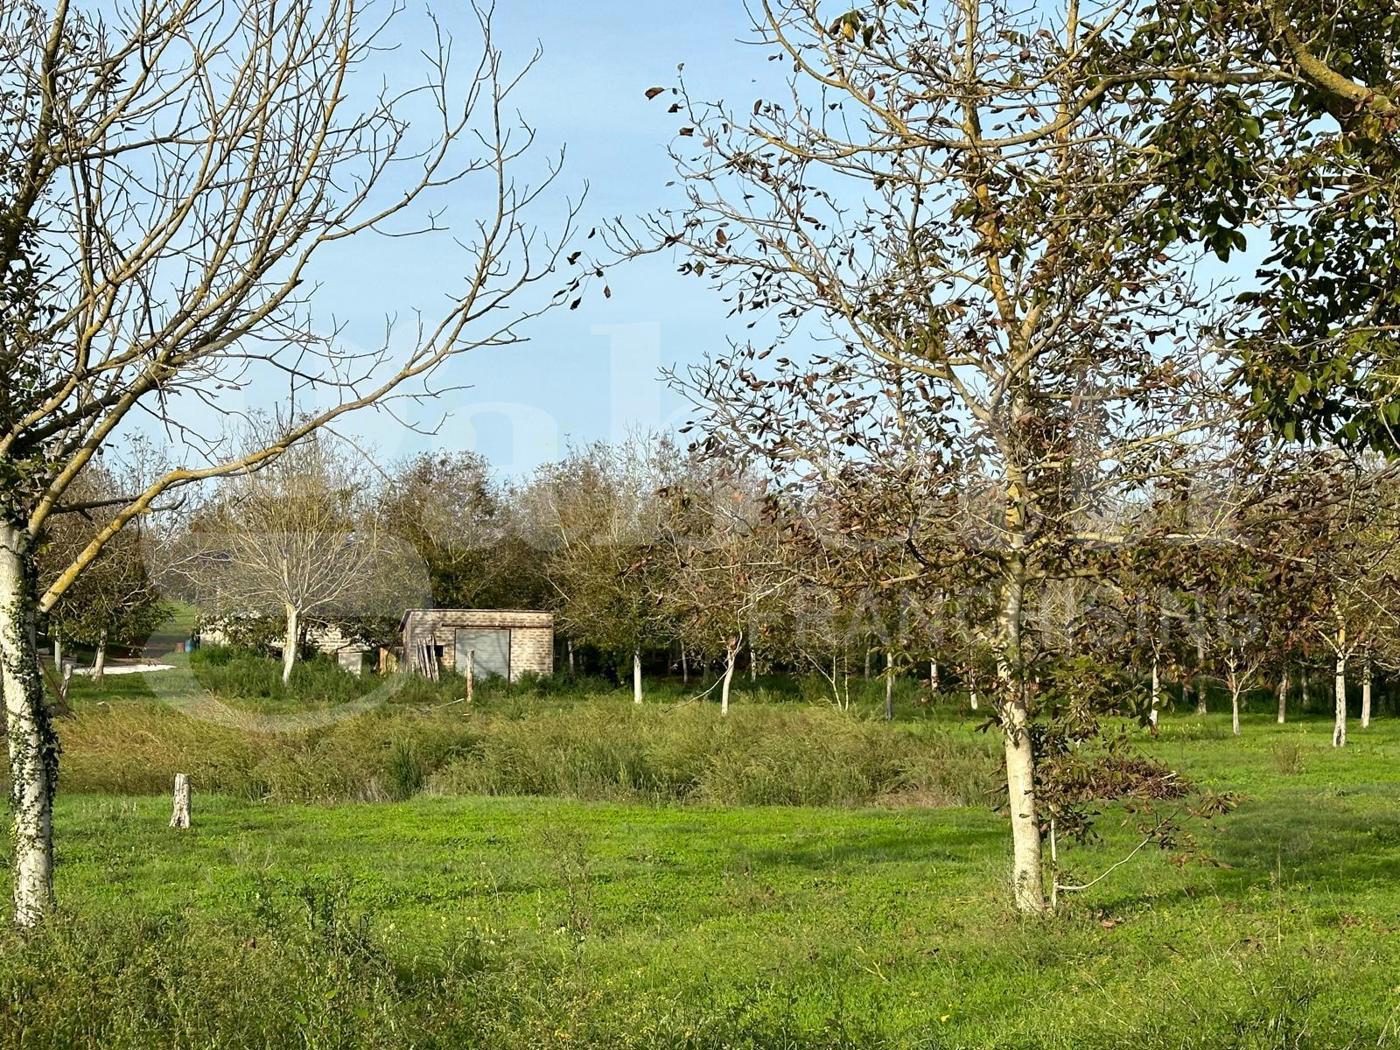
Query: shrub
404, 774
244, 675
1288, 757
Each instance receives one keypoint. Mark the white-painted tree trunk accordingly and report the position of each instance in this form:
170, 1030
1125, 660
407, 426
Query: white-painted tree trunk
1366, 693
1303, 686
685, 666
933, 676
1200, 679
569, 647
58, 652
868, 654
65, 683
33, 747
972, 689
289, 643
1283, 697
1156, 699
180, 814
636, 676
889, 687
1027, 877
99, 661
1234, 706
1339, 724
731, 657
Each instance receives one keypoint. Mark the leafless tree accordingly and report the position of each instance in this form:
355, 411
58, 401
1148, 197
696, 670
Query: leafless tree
299, 540
172, 173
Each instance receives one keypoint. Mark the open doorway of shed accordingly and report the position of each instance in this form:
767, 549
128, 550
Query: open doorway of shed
487, 649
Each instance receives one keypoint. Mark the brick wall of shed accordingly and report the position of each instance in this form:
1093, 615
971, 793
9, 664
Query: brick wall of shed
531, 649
531, 642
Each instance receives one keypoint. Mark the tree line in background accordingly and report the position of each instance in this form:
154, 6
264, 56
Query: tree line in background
649, 554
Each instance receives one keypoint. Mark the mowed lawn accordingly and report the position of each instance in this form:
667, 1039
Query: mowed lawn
545, 922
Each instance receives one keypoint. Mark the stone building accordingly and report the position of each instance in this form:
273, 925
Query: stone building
504, 642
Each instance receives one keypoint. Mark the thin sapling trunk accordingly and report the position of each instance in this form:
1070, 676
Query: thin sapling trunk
1339, 724
289, 642
889, 687
731, 657
99, 661
1366, 693
1156, 700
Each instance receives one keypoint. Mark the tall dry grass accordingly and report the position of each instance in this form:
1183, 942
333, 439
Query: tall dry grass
599, 748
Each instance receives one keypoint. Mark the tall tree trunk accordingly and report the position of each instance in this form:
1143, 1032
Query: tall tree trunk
569, 646
753, 663
1366, 693
636, 676
33, 746
933, 677
58, 653
889, 687
731, 657
1156, 695
99, 662
685, 666
972, 689
1303, 686
1339, 724
289, 642
1283, 697
1234, 706
1027, 878
868, 652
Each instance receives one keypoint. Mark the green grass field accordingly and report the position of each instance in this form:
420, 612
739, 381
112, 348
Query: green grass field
537, 920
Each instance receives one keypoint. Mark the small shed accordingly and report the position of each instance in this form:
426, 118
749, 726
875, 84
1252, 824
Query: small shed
504, 642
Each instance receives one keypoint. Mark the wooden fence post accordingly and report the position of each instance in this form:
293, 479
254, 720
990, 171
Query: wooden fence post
180, 817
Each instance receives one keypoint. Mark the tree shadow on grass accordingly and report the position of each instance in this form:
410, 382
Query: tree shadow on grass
1314, 837
1322, 841
920, 842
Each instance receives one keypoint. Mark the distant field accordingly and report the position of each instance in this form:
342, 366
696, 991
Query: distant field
467, 920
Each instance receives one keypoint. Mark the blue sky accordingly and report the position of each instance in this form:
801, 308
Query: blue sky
589, 373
